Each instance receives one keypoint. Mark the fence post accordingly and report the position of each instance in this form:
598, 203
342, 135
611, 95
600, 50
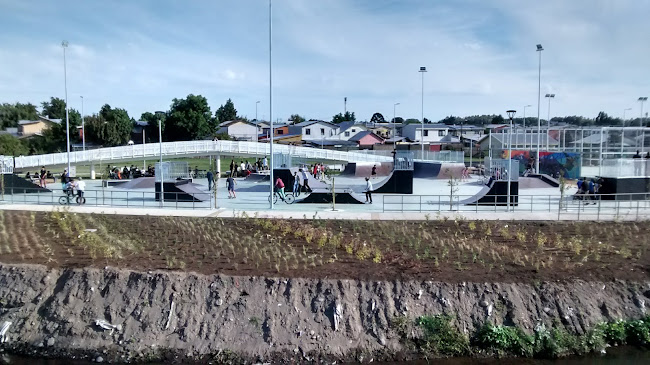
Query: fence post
598, 215
637, 210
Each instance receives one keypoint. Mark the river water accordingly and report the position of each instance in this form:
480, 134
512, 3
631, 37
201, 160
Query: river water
618, 356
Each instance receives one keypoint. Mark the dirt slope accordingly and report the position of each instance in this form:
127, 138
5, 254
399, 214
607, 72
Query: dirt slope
268, 319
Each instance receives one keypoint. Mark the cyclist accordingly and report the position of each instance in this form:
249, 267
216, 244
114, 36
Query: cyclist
68, 188
279, 188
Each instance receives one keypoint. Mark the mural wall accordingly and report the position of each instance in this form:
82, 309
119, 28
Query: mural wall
566, 164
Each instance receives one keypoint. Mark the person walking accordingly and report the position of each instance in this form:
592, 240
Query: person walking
296, 184
592, 190
368, 191
42, 176
210, 179
265, 163
80, 186
305, 181
374, 171
279, 188
233, 168
230, 184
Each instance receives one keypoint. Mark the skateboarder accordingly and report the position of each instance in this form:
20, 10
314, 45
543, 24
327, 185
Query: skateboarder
374, 171
368, 191
210, 179
230, 184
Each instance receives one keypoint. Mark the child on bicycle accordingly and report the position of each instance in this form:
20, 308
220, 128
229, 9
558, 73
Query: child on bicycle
279, 188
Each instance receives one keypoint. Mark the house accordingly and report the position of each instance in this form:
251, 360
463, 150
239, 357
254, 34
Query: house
263, 127
466, 130
314, 130
28, 128
432, 132
494, 128
240, 130
138, 132
347, 130
366, 139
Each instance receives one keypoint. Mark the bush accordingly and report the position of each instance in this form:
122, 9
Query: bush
638, 332
441, 338
614, 332
504, 339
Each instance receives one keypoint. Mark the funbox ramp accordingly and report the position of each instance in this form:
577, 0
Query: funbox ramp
364, 169
437, 170
182, 191
319, 196
14, 184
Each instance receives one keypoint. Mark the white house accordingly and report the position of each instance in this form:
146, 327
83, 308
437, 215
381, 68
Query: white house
432, 132
240, 130
314, 130
348, 130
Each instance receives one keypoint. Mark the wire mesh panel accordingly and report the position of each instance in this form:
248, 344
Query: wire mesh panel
403, 161
281, 161
172, 170
6, 164
499, 168
625, 167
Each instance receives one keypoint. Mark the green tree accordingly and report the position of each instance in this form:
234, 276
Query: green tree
411, 121
497, 119
226, 112
377, 118
189, 119
151, 130
111, 127
12, 146
347, 117
295, 119
54, 109
10, 114
398, 120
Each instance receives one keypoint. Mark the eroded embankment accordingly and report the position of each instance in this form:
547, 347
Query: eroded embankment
54, 312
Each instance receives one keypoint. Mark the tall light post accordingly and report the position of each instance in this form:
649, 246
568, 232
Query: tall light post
511, 116
422, 71
256, 103
64, 44
83, 124
548, 120
524, 126
539, 102
394, 121
160, 114
624, 111
271, 101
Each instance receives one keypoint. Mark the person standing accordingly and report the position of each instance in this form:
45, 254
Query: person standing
374, 171
210, 179
42, 176
80, 186
368, 191
233, 168
637, 163
305, 181
296, 184
265, 163
230, 184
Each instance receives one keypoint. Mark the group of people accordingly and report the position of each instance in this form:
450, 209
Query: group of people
132, 172
41, 176
639, 167
69, 185
318, 171
245, 168
587, 190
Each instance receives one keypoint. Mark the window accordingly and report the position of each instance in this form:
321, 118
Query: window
354, 130
322, 131
347, 134
308, 131
280, 131
426, 133
441, 133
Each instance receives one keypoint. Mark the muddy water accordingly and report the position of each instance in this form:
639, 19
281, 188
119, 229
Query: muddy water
619, 356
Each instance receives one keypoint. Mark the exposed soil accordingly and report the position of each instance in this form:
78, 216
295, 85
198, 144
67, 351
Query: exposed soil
441, 250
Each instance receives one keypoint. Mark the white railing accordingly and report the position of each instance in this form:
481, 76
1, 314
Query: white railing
192, 148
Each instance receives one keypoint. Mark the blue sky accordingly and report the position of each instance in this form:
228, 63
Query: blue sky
481, 57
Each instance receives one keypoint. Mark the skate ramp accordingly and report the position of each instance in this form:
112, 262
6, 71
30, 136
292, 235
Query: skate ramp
533, 183
321, 196
14, 184
139, 183
256, 177
496, 194
451, 170
399, 182
364, 169
426, 170
553, 182
182, 191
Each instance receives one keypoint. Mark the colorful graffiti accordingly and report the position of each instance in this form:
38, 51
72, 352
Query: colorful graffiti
566, 164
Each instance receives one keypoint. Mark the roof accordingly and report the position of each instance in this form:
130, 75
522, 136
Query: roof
357, 137
331, 142
465, 127
343, 126
595, 139
141, 123
310, 122
450, 139
428, 126
230, 122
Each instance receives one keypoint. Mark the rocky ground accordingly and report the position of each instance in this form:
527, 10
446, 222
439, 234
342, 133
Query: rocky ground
178, 316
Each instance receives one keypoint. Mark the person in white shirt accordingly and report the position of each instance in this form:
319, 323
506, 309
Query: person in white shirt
80, 186
368, 191
265, 163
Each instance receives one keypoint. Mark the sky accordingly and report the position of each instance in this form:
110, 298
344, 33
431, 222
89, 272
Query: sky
480, 55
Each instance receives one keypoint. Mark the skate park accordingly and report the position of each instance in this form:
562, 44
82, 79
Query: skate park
417, 185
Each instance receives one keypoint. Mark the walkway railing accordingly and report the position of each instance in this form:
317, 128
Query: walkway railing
192, 148
579, 207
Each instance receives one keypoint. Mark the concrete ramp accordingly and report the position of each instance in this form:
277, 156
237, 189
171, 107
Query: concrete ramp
182, 191
364, 169
325, 197
256, 177
399, 182
437, 170
533, 183
496, 194
14, 184
139, 183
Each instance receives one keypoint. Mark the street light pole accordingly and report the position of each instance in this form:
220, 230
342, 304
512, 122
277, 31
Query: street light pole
539, 101
642, 100
162, 180
548, 120
257, 102
83, 125
625, 110
511, 115
64, 44
422, 71
271, 100
394, 124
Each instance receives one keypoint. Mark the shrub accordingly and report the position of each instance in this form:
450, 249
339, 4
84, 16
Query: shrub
504, 339
440, 337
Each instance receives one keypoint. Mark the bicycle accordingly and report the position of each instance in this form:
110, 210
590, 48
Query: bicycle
68, 198
288, 198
